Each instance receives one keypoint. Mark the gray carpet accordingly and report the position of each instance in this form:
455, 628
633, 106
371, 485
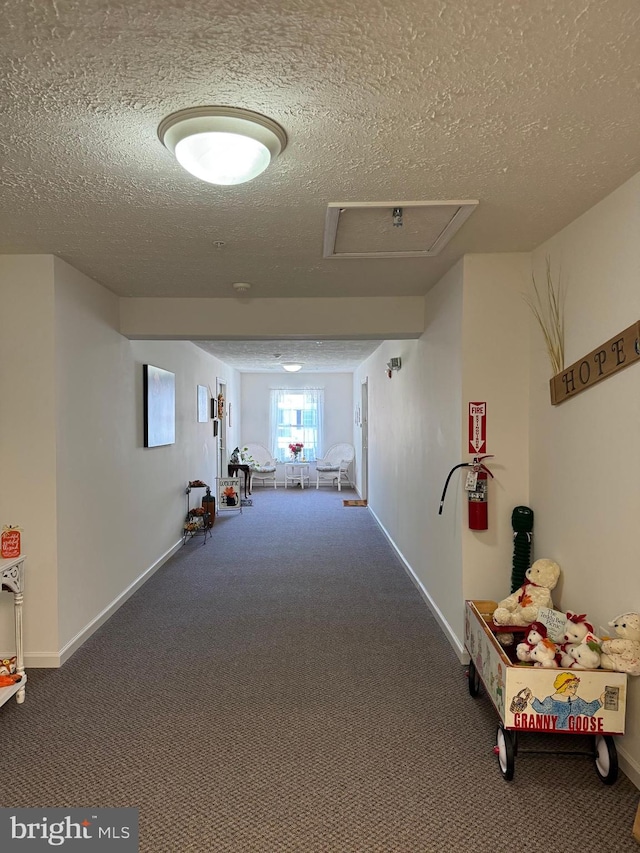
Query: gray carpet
284, 688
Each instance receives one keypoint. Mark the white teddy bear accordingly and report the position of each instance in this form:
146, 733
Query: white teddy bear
622, 653
586, 655
544, 654
537, 632
576, 628
521, 607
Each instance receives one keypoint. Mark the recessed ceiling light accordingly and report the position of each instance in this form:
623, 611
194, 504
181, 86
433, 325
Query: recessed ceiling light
241, 287
222, 145
292, 367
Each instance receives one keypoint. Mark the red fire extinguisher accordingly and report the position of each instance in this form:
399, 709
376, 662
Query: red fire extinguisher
476, 488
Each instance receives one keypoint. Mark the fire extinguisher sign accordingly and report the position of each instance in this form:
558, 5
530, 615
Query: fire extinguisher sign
477, 428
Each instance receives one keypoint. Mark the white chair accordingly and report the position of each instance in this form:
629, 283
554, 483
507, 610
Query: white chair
334, 465
263, 465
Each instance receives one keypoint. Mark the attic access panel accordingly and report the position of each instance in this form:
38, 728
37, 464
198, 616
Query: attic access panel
373, 230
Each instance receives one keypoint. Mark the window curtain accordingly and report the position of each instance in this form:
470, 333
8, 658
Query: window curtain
297, 414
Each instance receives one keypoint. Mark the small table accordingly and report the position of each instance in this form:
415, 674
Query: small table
234, 467
290, 473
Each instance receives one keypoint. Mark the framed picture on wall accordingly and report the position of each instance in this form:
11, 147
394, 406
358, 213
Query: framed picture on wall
203, 396
214, 408
159, 392
215, 427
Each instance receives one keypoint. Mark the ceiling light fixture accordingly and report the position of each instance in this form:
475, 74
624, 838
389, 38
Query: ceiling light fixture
222, 145
292, 367
241, 287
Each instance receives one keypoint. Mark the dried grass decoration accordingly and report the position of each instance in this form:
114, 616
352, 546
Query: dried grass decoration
548, 309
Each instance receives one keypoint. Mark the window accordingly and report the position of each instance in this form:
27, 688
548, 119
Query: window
296, 415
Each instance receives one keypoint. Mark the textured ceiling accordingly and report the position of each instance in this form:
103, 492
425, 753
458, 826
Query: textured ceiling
269, 356
530, 107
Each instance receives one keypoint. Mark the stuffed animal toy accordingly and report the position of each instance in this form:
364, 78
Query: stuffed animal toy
622, 653
576, 629
586, 655
521, 607
8, 665
537, 631
544, 654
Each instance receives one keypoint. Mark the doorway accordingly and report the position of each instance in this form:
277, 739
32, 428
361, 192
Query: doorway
221, 389
364, 462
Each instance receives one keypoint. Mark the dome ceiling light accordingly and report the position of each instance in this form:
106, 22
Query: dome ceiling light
292, 367
222, 145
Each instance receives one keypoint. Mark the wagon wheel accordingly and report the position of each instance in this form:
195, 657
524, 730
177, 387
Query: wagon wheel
474, 680
505, 751
606, 756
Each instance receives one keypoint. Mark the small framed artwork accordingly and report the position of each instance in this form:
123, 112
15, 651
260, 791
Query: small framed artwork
214, 408
215, 427
229, 414
159, 406
202, 404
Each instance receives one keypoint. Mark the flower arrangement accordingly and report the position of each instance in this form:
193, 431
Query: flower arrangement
296, 448
230, 495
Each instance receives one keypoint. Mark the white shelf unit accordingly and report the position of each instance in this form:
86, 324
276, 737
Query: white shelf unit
12, 580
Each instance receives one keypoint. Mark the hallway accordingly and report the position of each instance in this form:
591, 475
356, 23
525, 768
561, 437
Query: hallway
284, 687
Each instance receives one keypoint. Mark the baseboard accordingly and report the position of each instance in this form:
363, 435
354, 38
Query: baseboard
456, 644
629, 767
49, 660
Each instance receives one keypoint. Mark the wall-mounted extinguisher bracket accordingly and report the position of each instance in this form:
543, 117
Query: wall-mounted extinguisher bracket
476, 488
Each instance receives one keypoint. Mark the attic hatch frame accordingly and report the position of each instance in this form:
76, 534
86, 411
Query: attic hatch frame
463, 211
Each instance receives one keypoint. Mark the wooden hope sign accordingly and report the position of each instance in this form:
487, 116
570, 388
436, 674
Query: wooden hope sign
605, 360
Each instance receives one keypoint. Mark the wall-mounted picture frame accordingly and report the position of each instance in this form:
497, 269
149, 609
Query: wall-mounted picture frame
214, 408
215, 428
159, 393
203, 396
229, 414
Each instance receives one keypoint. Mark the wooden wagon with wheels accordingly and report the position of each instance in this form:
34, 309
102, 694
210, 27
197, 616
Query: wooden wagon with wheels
538, 699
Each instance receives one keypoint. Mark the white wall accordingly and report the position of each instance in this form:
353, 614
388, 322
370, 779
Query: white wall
473, 349
585, 465
99, 510
414, 438
28, 440
496, 368
256, 405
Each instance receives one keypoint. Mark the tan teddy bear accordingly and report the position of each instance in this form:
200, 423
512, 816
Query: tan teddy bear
622, 653
521, 607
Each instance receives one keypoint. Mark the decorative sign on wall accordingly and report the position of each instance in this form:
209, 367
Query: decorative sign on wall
616, 353
477, 428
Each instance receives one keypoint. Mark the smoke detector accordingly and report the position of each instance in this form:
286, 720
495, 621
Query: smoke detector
241, 287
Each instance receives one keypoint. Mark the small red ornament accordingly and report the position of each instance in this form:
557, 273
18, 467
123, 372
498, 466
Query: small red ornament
10, 542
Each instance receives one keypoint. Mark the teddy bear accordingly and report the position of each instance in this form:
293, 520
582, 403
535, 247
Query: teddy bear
537, 631
544, 654
622, 653
521, 607
576, 629
586, 655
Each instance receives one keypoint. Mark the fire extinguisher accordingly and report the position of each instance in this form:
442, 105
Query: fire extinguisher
476, 488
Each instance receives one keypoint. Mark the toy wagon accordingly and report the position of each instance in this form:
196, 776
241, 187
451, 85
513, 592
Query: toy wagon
536, 699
